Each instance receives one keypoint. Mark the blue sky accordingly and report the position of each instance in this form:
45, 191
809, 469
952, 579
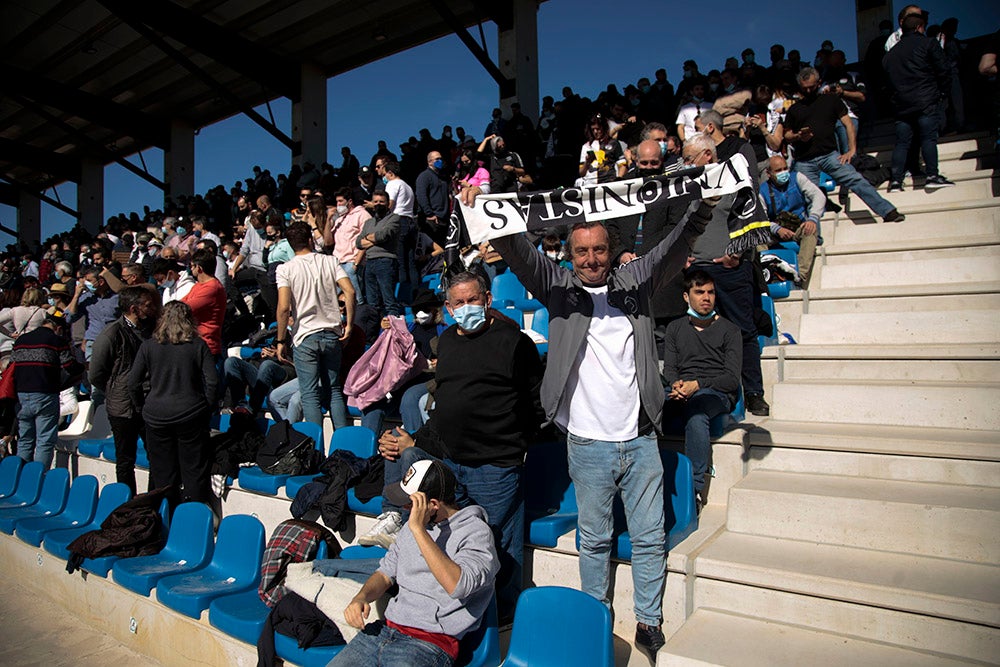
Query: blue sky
585, 44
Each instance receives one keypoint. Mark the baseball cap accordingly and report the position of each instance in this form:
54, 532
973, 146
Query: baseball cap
432, 477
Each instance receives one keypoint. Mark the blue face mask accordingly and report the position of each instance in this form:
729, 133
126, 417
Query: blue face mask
695, 315
89, 286
470, 317
385, 180
663, 148
782, 177
168, 284
438, 164
181, 231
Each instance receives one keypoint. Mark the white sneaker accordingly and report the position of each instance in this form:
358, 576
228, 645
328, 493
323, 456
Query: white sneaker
383, 533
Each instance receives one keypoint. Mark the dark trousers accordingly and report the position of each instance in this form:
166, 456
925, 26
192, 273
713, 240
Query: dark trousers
126, 431
925, 126
180, 454
735, 300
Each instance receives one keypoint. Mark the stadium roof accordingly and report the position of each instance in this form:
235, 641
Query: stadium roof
102, 79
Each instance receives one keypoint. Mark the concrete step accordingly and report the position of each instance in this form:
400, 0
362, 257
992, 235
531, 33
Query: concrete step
921, 518
933, 586
944, 210
899, 371
863, 352
945, 640
963, 190
927, 226
893, 403
939, 456
950, 148
902, 327
939, 265
713, 637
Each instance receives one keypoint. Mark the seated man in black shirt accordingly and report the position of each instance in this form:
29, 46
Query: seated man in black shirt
703, 355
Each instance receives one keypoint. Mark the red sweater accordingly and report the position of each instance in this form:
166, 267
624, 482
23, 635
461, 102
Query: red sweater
208, 304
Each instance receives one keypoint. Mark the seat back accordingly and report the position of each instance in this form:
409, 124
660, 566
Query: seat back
314, 431
540, 322
583, 635
190, 536
82, 422
100, 427
239, 547
547, 485
82, 500
358, 440
29, 485
55, 488
10, 471
481, 647
515, 314
112, 495
358, 552
507, 288
680, 514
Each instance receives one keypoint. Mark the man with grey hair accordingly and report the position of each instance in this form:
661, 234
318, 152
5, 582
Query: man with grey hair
810, 128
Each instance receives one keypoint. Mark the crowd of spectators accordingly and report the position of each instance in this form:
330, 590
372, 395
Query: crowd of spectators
310, 264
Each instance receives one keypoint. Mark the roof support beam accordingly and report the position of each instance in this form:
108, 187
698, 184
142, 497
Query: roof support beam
94, 146
221, 45
21, 187
145, 129
26, 155
507, 86
206, 79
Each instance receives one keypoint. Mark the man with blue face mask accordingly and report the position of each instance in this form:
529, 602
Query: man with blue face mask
794, 206
703, 357
486, 409
432, 198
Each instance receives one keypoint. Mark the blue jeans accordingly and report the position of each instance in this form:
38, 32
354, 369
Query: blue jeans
359, 295
846, 175
286, 401
500, 492
378, 645
37, 426
698, 413
600, 470
380, 285
317, 365
924, 124
407, 405
239, 374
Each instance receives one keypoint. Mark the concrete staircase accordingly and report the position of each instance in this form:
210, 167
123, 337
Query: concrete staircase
866, 529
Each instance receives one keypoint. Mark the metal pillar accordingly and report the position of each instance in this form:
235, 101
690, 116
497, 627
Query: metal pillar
869, 13
178, 161
90, 195
309, 117
518, 44
29, 219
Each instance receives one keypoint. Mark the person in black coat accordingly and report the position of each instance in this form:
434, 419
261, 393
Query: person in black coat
179, 371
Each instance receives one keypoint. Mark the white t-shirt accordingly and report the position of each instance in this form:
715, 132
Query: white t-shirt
601, 400
402, 194
687, 115
313, 280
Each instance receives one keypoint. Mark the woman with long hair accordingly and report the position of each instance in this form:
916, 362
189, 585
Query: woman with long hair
26, 317
173, 380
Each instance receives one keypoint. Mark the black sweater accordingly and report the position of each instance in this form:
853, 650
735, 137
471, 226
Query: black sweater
44, 362
182, 380
712, 356
486, 405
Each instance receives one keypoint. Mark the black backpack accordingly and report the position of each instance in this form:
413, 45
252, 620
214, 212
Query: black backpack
287, 451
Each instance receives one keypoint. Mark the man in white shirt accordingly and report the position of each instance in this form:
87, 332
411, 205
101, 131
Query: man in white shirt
401, 201
691, 110
304, 288
173, 280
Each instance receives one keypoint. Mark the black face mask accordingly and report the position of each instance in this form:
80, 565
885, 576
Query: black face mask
650, 172
381, 210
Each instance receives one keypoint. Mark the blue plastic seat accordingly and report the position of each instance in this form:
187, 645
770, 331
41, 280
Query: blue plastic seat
29, 486
826, 182
141, 457
540, 325
549, 495
508, 291
79, 511
10, 471
93, 447
51, 501
253, 478
767, 305
189, 547
108, 451
679, 512
583, 635
720, 423
358, 440
57, 542
234, 568
481, 647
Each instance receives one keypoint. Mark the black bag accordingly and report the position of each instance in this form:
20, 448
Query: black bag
287, 451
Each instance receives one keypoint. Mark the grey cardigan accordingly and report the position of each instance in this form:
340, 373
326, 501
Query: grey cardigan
629, 289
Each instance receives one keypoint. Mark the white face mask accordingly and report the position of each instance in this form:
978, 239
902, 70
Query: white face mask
552, 254
422, 317
341, 210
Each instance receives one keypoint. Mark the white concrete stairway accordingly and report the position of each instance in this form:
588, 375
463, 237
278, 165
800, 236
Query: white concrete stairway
867, 527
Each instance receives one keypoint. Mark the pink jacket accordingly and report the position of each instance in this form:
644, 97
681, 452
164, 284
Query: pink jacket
345, 233
386, 365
